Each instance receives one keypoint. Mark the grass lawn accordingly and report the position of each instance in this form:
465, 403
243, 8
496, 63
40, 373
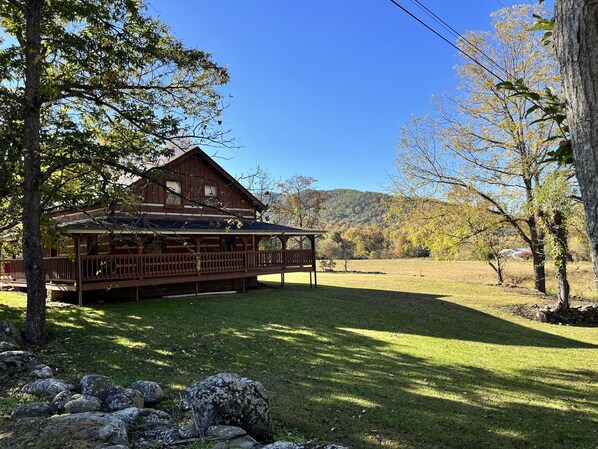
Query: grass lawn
414, 358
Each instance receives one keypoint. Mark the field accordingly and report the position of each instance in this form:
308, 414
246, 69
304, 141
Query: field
427, 355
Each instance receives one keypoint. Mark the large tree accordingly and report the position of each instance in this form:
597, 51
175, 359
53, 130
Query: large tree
576, 45
91, 91
482, 140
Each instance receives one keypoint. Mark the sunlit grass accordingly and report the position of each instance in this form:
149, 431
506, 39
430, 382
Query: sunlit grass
425, 356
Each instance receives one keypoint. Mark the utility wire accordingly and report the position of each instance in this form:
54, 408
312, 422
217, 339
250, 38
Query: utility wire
406, 11
458, 35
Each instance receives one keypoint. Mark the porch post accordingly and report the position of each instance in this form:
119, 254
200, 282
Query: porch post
79, 269
312, 239
283, 239
198, 240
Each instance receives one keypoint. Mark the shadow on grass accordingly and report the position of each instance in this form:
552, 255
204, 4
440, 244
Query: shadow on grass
362, 367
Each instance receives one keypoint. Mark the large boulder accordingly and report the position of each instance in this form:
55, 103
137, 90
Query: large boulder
227, 399
47, 387
96, 385
12, 362
119, 398
151, 391
110, 429
59, 401
81, 403
41, 372
32, 410
10, 337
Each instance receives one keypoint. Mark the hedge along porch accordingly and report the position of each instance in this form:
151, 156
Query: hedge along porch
196, 230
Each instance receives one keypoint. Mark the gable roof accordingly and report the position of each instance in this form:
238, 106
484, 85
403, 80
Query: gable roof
166, 161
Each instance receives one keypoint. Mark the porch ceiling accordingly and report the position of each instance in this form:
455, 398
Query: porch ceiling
143, 225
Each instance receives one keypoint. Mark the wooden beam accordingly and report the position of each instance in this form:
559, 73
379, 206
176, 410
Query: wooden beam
79, 270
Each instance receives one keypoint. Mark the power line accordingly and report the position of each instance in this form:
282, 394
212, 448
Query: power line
413, 16
458, 35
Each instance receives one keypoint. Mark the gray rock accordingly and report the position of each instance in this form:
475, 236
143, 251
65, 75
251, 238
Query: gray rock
12, 362
82, 404
224, 432
32, 410
59, 401
119, 398
188, 431
165, 435
117, 446
220, 445
10, 337
111, 429
41, 372
47, 387
231, 400
244, 442
151, 391
96, 385
149, 418
128, 415
282, 445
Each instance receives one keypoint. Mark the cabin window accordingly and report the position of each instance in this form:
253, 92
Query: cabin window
173, 193
154, 245
227, 243
211, 195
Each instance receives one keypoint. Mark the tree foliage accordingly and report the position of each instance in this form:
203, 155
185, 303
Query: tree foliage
483, 141
92, 90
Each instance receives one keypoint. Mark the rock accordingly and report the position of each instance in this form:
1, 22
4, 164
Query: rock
224, 432
59, 401
96, 385
117, 446
82, 404
32, 410
220, 445
231, 400
41, 372
165, 435
119, 398
151, 391
10, 337
12, 362
47, 387
244, 442
188, 431
149, 417
282, 445
111, 429
128, 415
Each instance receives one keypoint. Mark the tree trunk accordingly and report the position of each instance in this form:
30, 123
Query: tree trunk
32, 247
538, 256
576, 45
561, 249
498, 269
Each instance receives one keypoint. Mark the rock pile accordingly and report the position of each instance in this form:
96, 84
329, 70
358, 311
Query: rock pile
586, 314
225, 409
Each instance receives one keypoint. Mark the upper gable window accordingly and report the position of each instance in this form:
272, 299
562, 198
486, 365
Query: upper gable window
211, 194
173, 193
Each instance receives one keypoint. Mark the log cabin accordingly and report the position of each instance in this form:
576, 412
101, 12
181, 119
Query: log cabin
195, 229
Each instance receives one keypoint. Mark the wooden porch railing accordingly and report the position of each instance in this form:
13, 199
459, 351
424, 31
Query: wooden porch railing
148, 266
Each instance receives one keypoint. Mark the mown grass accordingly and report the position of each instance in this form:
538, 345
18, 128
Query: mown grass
415, 358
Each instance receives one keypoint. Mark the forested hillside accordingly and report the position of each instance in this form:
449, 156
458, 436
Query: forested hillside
349, 208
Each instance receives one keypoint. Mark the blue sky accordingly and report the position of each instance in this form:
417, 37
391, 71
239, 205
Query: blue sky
321, 87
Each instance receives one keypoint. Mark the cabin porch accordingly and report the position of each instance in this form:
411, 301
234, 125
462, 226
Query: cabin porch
87, 273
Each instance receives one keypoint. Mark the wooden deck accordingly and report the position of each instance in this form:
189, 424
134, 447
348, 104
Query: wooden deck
133, 270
